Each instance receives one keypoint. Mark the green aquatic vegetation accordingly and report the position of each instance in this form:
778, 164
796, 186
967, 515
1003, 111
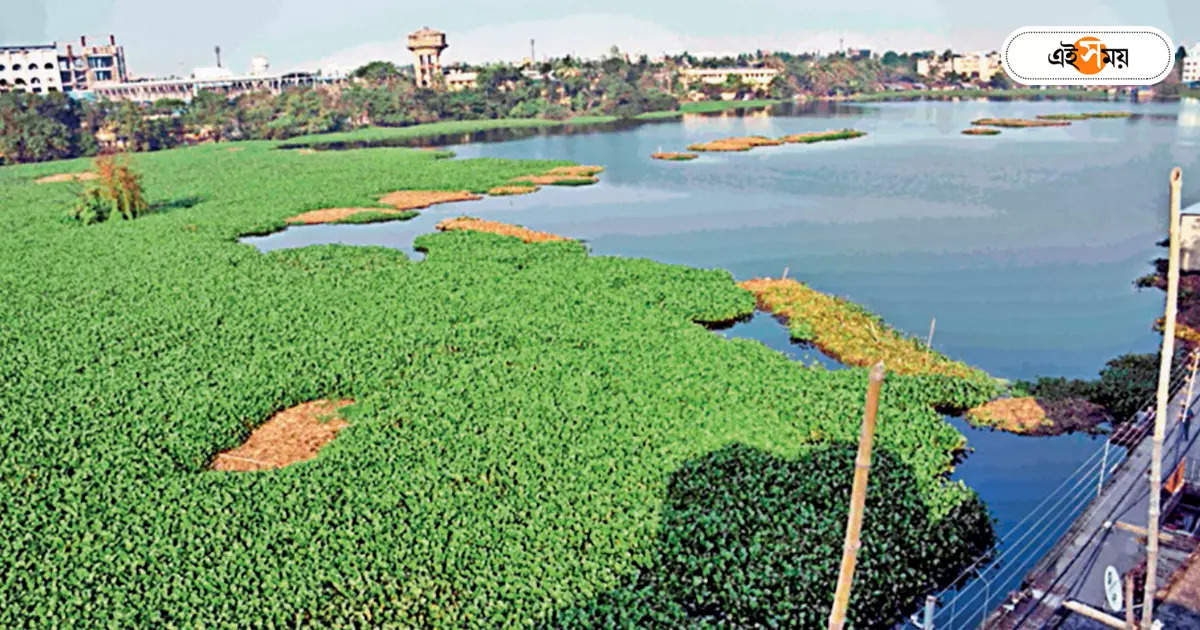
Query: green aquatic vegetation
378, 217
522, 413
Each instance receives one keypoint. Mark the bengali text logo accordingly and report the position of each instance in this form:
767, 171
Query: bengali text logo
1073, 55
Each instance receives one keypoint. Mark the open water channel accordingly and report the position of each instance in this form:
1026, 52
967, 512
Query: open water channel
1023, 245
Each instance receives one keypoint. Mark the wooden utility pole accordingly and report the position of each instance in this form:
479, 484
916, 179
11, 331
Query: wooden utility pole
1160, 413
858, 499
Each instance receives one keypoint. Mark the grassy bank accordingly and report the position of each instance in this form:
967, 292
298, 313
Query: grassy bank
1014, 93
531, 431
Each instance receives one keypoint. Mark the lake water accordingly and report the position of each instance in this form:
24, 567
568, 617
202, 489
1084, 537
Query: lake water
1023, 245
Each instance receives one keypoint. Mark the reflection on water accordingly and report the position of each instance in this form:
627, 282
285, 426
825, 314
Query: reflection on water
766, 329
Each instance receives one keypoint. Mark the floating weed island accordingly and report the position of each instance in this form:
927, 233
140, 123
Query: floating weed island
981, 131
563, 176
823, 136
537, 434
674, 156
1085, 116
738, 143
850, 333
1027, 415
745, 143
1019, 122
496, 227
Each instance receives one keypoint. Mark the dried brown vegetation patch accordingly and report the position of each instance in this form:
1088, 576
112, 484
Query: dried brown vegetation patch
1019, 122
417, 199
981, 131
512, 190
1017, 415
576, 171
743, 143
332, 215
67, 177
401, 201
293, 435
674, 156
495, 227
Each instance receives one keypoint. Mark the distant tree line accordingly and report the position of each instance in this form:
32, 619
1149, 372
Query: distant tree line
54, 126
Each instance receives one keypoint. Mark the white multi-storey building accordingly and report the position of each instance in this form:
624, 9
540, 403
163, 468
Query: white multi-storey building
1191, 65
56, 67
30, 68
979, 65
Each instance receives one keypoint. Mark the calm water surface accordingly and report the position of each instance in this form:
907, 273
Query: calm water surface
1023, 245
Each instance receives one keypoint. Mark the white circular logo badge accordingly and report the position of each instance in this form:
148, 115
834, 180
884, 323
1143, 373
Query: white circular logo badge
1087, 55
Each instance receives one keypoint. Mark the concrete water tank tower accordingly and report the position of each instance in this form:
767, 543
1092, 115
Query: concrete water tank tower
259, 66
427, 45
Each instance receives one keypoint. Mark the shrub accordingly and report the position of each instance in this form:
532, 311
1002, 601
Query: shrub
751, 540
117, 191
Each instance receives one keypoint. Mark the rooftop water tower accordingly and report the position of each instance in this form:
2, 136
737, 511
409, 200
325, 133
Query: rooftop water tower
427, 44
259, 66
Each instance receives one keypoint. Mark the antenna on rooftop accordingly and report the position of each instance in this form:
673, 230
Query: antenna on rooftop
532, 56
217, 49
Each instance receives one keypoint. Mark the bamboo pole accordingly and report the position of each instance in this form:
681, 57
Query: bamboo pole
1160, 413
1130, 619
929, 341
858, 499
1094, 615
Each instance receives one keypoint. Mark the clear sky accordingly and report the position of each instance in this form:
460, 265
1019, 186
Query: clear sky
169, 37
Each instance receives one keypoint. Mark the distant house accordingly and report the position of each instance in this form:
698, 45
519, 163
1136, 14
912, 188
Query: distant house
1191, 65
757, 77
978, 65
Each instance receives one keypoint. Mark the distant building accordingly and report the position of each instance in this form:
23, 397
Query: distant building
219, 80
457, 80
977, 65
30, 68
427, 45
1191, 65
757, 77
858, 53
56, 67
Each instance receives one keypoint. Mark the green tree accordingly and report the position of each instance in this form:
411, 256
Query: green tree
378, 72
211, 114
35, 128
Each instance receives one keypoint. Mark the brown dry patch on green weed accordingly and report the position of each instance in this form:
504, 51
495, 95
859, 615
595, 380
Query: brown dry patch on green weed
1019, 122
333, 215
66, 177
561, 176
495, 227
417, 199
576, 171
401, 201
293, 435
512, 190
674, 156
1017, 415
741, 143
